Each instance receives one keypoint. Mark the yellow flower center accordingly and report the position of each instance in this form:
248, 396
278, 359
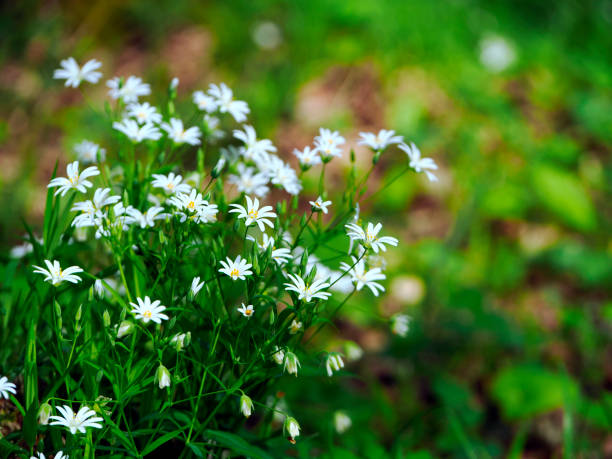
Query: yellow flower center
170, 185
191, 205
147, 314
248, 312
234, 272
253, 213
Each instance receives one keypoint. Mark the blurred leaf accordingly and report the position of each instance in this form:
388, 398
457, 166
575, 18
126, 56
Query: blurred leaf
564, 195
525, 390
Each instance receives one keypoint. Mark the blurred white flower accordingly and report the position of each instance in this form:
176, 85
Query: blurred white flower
496, 53
224, 98
7, 387
267, 35
333, 363
128, 91
381, 140
179, 134
307, 157
204, 102
400, 324
144, 113
196, 286
249, 182
73, 74
418, 163
253, 149
171, 183
295, 327
135, 132
89, 152
362, 278
327, 143
342, 422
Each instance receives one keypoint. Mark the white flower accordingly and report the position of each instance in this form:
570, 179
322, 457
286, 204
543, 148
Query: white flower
253, 214
73, 74
224, 98
237, 269
171, 183
196, 286
307, 291
174, 83
496, 53
400, 324
99, 288
80, 420
162, 377
246, 405
370, 236
135, 132
89, 152
327, 143
180, 340
419, 164
352, 350
342, 422
57, 275
333, 363
20, 251
320, 205
381, 140
144, 113
307, 157
130, 90
75, 180
179, 134
93, 208
204, 102
212, 125
291, 363
6, 387
292, 428
254, 149
147, 310
282, 174
249, 182
246, 311
200, 210
278, 356
58, 455
362, 278
295, 327
280, 256
146, 219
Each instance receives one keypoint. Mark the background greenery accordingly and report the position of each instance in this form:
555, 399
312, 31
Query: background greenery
506, 262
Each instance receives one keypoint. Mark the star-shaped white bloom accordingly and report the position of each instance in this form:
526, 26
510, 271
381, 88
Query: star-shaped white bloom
80, 420
73, 74
204, 102
89, 152
418, 163
171, 183
92, 208
281, 174
144, 219
246, 311
254, 149
381, 140
58, 455
280, 256
7, 387
369, 237
135, 132
56, 275
179, 135
320, 205
224, 98
77, 181
144, 113
130, 90
148, 311
327, 143
333, 363
237, 269
307, 157
307, 291
362, 278
295, 327
253, 214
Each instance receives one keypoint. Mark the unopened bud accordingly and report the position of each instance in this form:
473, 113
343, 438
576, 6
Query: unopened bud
162, 377
44, 412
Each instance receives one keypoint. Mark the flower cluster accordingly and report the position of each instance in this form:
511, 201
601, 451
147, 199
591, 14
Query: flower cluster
150, 233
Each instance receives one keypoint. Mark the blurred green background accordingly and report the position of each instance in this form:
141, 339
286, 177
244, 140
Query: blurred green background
506, 263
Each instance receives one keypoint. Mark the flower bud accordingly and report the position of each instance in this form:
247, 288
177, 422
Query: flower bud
278, 356
181, 341
291, 363
333, 363
246, 405
342, 422
106, 319
44, 412
291, 428
216, 172
162, 377
79, 313
125, 329
99, 288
